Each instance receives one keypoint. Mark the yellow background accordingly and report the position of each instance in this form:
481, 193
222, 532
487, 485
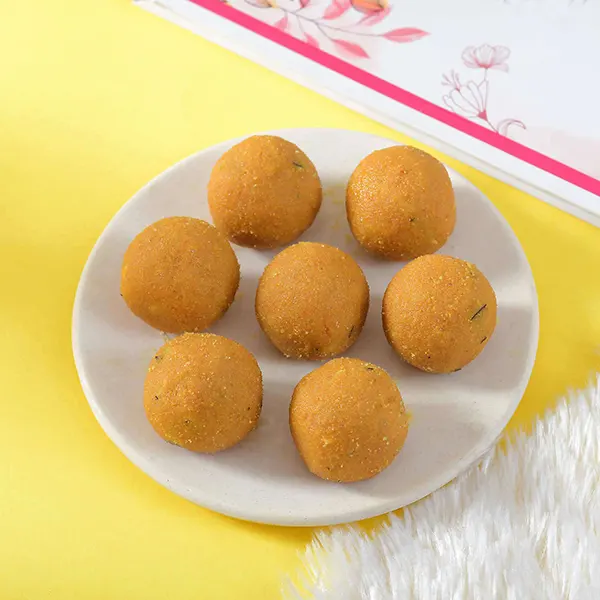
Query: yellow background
97, 97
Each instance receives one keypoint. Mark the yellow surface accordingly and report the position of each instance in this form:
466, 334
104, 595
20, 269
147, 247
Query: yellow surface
96, 97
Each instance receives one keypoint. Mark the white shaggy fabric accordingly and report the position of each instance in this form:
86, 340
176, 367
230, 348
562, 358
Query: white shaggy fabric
524, 524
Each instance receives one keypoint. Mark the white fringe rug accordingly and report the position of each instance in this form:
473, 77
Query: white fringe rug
522, 525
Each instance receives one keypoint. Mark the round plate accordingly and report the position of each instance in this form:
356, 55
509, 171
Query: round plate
455, 418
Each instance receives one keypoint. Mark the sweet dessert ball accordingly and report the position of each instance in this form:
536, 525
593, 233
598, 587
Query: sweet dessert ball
348, 420
264, 192
439, 313
400, 203
203, 392
312, 301
179, 274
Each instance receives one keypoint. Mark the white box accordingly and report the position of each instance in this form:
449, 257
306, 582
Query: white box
510, 87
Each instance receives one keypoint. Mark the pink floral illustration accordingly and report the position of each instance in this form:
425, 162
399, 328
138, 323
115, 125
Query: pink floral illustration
330, 25
486, 57
470, 98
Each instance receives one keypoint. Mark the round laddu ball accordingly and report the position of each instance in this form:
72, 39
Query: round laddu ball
439, 313
179, 274
312, 301
348, 420
264, 192
203, 392
400, 203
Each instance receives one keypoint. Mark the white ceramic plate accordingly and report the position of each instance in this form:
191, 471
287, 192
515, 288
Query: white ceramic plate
455, 418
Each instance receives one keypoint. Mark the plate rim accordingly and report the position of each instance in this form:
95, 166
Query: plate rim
255, 516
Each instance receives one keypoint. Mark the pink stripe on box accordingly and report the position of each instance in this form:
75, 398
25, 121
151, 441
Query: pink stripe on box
389, 90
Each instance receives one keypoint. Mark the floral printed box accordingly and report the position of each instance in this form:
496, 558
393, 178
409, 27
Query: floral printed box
508, 86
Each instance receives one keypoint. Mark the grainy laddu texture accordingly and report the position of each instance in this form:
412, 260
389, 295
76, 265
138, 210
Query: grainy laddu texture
312, 301
348, 420
400, 203
264, 192
203, 392
439, 313
179, 274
